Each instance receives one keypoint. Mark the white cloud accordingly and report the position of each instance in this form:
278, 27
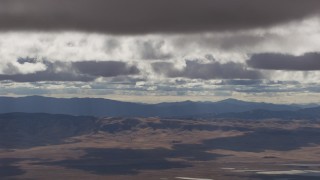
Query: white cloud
11, 68
141, 50
293, 38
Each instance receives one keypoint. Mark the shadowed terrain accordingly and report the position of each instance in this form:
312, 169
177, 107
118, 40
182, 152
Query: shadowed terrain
38, 146
7, 169
125, 161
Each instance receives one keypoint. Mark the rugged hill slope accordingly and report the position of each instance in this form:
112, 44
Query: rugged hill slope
25, 130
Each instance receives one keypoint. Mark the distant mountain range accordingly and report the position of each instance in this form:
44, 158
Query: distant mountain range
111, 108
307, 113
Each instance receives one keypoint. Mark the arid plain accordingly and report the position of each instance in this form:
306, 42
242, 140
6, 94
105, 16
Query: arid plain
154, 148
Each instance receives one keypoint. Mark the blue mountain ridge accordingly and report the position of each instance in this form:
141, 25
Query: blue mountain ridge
105, 107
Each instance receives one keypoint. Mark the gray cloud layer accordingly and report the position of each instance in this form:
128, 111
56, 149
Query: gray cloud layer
143, 16
272, 61
215, 70
75, 71
105, 68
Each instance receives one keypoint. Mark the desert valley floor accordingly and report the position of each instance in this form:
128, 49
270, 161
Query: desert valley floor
154, 148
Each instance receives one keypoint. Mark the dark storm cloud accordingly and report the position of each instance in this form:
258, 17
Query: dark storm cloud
215, 70
27, 60
105, 68
46, 76
272, 61
84, 71
143, 16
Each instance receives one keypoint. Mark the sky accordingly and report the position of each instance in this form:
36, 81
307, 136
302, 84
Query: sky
166, 50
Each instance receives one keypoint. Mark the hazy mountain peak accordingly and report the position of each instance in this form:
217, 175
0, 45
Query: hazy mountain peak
231, 100
113, 108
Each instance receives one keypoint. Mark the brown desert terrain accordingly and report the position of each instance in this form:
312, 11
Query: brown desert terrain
164, 149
